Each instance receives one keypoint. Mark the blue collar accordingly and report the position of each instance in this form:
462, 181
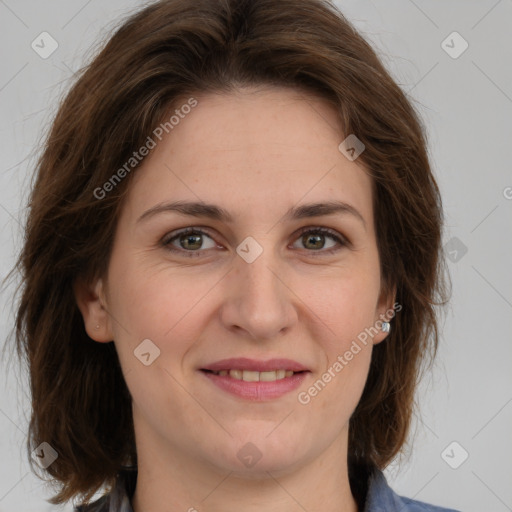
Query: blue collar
381, 498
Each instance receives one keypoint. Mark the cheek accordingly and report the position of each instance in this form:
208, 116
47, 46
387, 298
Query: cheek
339, 383
158, 303
345, 304
346, 307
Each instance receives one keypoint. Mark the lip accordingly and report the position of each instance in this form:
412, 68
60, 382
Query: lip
256, 391
244, 363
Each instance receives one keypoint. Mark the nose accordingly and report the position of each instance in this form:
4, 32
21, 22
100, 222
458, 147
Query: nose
259, 303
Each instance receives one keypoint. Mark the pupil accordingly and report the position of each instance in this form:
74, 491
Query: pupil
189, 240
318, 238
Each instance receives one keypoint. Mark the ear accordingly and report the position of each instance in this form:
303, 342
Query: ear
385, 311
90, 298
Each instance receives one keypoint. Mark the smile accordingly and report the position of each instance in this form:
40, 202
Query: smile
254, 376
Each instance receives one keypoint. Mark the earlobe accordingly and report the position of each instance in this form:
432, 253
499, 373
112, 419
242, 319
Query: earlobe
91, 303
385, 313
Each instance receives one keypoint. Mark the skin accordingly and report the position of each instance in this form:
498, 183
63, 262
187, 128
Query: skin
256, 153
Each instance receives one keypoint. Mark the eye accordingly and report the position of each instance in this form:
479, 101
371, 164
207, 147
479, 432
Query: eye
189, 241
314, 239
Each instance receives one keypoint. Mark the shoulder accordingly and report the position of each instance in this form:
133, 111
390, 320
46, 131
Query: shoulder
381, 498
118, 499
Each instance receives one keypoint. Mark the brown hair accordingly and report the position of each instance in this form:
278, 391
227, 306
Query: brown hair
173, 49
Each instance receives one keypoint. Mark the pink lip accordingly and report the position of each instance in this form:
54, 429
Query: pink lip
243, 363
256, 391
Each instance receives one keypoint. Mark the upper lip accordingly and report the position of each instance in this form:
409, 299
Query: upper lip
243, 363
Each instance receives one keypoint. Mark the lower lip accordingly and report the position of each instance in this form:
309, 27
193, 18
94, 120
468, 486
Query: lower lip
257, 391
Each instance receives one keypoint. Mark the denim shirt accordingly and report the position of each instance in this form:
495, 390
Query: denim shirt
379, 497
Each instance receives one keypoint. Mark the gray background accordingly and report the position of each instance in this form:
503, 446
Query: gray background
466, 103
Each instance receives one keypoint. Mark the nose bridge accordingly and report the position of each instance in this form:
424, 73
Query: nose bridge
260, 302
258, 272
259, 279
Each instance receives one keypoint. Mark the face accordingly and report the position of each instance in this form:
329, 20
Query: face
270, 285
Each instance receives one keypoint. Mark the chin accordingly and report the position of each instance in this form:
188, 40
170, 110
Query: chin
255, 455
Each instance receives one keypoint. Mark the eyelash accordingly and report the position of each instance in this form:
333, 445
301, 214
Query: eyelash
166, 241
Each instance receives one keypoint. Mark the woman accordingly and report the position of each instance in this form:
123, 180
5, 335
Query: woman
231, 264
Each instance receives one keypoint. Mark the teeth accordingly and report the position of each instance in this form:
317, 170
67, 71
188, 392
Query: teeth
271, 376
251, 376
236, 374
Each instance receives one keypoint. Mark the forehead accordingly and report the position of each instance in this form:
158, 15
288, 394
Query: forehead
253, 151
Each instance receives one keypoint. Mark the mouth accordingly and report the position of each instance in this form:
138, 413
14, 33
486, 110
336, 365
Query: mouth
256, 380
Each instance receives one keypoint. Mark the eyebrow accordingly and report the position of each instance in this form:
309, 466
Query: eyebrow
212, 211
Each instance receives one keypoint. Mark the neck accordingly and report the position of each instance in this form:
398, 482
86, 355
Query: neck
172, 480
